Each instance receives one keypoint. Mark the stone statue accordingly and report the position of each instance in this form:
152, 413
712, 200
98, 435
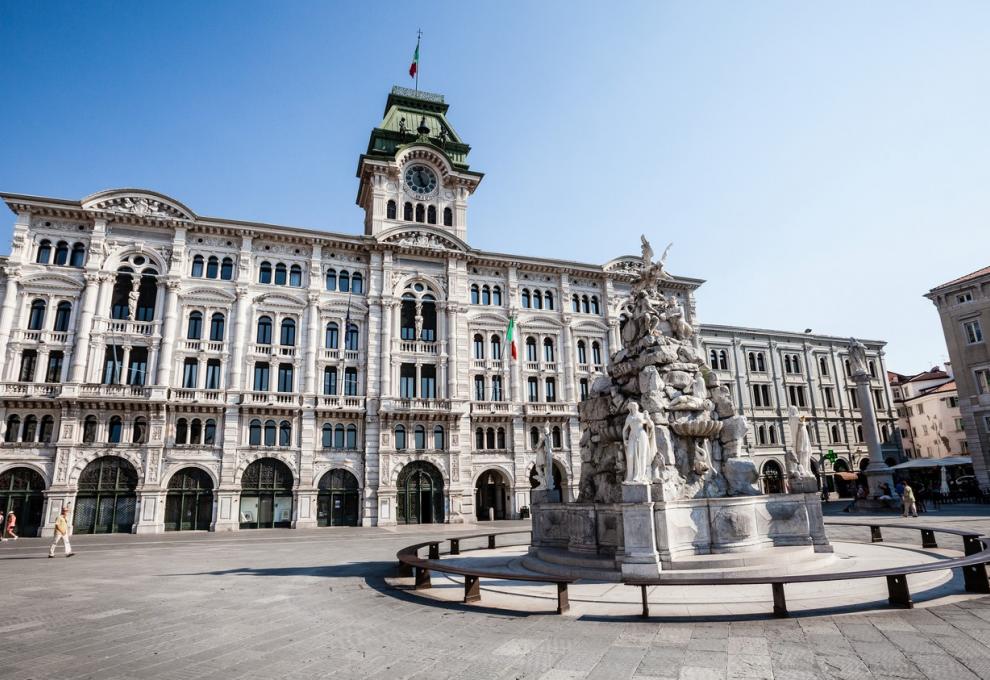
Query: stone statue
132, 303
402, 126
418, 322
547, 457
800, 445
647, 250
857, 358
639, 438
675, 315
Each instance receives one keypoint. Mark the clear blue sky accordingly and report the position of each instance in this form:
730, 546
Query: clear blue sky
820, 165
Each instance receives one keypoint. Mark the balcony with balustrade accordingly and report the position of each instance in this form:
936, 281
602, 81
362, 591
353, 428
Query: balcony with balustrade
337, 402
41, 337
30, 390
284, 399
541, 408
416, 404
419, 347
482, 408
208, 346
196, 396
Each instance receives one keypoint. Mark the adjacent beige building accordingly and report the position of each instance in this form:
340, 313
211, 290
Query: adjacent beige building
928, 418
964, 307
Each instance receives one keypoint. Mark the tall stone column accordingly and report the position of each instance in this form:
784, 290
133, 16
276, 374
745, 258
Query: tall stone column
388, 311
237, 341
453, 310
169, 332
878, 472
567, 359
312, 343
7, 310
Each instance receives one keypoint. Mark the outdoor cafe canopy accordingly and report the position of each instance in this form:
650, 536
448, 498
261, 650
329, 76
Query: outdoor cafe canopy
933, 462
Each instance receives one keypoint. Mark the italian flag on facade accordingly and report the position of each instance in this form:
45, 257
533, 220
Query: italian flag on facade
414, 66
510, 337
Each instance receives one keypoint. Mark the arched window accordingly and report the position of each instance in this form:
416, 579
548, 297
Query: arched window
284, 433
859, 433
47, 430
400, 437
595, 309
448, 217
823, 366
713, 358
723, 360
873, 368
500, 438
548, 300
486, 295
585, 307
761, 435
390, 210
351, 437
295, 276
537, 299
264, 336
582, 351
44, 252
62, 253
182, 431
210, 432
345, 282
407, 212
287, 333
479, 439
497, 296
431, 215
420, 437
265, 272
338, 437
62, 314
834, 435
13, 428
212, 267
331, 279
752, 361
194, 330
89, 430
216, 327
420, 213
534, 437
115, 431
270, 430
351, 338
475, 298
197, 266
496, 346
195, 431
438, 438
556, 437
139, 431
479, 346
36, 318
326, 435
280, 274
787, 363
760, 362
575, 303
357, 283
227, 269
254, 439
548, 353
525, 298
531, 349
332, 335
78, 258
30, 431
490, 438
772, 433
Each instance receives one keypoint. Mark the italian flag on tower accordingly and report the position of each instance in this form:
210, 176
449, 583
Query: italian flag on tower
414, 66
510, 338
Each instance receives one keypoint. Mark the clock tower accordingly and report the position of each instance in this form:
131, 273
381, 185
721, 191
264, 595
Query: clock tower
415, 170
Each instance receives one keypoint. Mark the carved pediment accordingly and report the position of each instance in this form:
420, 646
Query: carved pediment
280, 300
627, 264
209, 296
412, 237
49, 282
139, 203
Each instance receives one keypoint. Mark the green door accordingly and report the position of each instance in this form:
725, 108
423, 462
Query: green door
107, 500
22, 491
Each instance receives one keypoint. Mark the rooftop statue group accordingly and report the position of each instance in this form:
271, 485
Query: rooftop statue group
661, 416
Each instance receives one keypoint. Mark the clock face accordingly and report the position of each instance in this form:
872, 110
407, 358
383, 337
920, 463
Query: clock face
420, 179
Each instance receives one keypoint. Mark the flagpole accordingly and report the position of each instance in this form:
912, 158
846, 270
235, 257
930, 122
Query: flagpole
419, 35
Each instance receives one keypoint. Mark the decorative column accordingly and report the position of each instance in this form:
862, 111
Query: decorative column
313, 342
452, 378
567, 358
169, 331
237, 341
877, 472
7, 310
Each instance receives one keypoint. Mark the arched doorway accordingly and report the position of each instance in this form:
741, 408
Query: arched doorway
266, 495
338, 500
23, 491
491, 492
189, 501
419, 494
106, 500
773, 477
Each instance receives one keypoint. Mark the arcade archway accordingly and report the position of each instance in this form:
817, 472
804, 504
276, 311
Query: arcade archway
22, 490
419, 494
491, 493
338, 500
189, 501
773, 477
107, 498
266, 495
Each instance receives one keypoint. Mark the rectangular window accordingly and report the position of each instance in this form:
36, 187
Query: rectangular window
261, 376
29, 362
54, 372
479, 388
497, 388
190, 374
533, 385
350, 382
982, 380
921, 409
330, 380
584, 388
878, 399
213, 374
986, 423
829, 399
111, 365
905, 434
964, 297
407, 381
551, 390
953, 402
853, 399
959, 424
974, 332
285, 375
428, 382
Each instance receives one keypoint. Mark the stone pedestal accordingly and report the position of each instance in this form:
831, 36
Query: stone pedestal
640, 558
544, 496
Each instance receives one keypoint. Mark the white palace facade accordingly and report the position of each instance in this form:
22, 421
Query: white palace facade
160, 370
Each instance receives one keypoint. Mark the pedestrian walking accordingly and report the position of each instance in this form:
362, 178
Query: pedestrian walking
908, 502
11, 526
61, 534
3, 539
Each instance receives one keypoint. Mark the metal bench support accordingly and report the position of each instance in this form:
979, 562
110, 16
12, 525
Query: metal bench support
472, 589
928, 539
455, 546
434, 551
563, 604
972, 544
491, 541
423, 579
646, 603
779, 603
875, 535
404, 569
975, 576
899, 593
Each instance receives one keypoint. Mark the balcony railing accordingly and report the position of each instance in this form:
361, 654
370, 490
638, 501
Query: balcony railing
196, 396
480, 407
341, 402
47, 337
125, 327
486, 364
200, 345
418, 347
127, 391
545, 408
272, 398
13, 389
416, 404
332, 354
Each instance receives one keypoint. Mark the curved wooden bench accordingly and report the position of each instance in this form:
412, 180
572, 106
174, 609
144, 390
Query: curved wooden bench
410, 563
972, 565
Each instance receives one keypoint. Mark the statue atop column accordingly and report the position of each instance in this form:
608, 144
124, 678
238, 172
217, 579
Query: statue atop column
857, 358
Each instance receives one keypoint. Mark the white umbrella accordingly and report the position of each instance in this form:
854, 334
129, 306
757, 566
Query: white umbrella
945, 482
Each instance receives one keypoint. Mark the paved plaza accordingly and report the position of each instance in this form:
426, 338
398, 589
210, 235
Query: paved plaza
305, 604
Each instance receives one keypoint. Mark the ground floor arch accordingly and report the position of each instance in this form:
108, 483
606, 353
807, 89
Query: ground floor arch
22, 491
559, 479
107, 497
419, 494
773, 477
266, 495
338, 500
189, 501
492, 495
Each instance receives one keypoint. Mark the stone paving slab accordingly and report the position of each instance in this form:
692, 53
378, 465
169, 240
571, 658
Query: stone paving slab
306, 604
